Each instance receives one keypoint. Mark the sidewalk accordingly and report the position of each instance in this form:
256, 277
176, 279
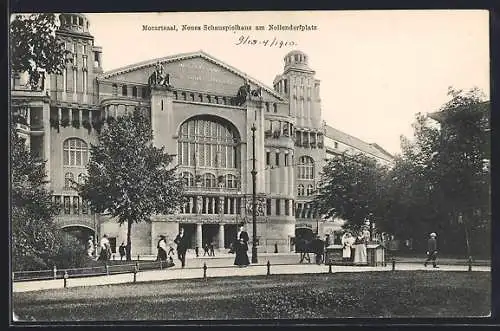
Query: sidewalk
223, 271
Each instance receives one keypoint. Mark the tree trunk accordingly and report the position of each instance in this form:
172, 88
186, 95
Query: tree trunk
129, 242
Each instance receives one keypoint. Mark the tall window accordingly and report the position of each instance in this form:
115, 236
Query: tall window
277, 159
188, 179
205, 142
306, 167
134, 91
310, 189
287, 207
268, 207
231, 181
68, 180
209, 180
268, 158
124, 90
300, 190
278, 207
75, 152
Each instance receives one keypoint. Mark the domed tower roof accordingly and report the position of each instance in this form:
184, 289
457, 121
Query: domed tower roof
296, 59
74, 22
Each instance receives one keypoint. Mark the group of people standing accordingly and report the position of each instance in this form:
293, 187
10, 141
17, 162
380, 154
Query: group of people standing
354, 247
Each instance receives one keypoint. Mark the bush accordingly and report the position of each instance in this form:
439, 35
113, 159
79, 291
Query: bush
71, 253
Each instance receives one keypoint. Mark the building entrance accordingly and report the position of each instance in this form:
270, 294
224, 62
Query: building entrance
230, 232
210, 234
190, 232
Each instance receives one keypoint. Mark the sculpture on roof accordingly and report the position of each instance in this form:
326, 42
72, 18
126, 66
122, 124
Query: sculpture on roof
158, 77
245, 92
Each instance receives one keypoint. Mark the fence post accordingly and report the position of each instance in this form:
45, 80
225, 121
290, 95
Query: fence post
65, 277
268, 268
204, 270
136, 269
470, 263
55, 272
107, 268
393, 264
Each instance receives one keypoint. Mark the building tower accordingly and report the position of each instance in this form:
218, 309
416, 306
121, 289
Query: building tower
301, 88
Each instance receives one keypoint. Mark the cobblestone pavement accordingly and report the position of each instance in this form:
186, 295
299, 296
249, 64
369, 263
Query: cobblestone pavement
222, 266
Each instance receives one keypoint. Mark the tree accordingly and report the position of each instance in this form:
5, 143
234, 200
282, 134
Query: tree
439, 183
128, 177
34, 46
352, 189
464, 180
35, 238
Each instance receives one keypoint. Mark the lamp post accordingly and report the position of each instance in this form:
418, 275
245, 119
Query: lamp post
254, 198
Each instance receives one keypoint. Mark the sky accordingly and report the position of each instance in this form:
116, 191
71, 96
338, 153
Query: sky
377, 68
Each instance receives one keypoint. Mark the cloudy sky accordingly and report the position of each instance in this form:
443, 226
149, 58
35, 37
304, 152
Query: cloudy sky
377, 68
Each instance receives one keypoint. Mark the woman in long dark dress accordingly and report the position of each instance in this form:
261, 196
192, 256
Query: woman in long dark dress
241, 248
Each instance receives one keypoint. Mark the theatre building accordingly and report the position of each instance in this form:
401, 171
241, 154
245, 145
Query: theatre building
201, 118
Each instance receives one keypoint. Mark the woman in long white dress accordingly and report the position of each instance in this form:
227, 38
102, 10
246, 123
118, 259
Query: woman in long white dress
360, 256
346, 246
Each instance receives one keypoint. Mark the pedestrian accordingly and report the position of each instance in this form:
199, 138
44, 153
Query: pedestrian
105, 247
319, 248
182, 245
303, 248
241, 247
162, 249
346, 246
212, 250
432, 250
90, 247
122, 251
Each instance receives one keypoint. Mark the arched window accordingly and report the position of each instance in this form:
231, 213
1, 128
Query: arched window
209, 180
75, 152
207, 141
300, 190
231, 181
124, 90
188, 179
81, 178
310, 189
306, 167
68, 180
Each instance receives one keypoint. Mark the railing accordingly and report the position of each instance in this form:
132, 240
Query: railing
111, 268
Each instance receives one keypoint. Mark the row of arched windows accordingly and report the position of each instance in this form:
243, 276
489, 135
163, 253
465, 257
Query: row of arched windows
69, 179
301, 190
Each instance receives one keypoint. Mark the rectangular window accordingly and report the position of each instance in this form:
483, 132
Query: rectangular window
67, 205
238, 205
268, 158
287, 207
285, 86
85, 206
278, 205
85, 82
75, 79
76, 205
275, 107
286, 160
268, 207
293, 208
277, 159
65, 80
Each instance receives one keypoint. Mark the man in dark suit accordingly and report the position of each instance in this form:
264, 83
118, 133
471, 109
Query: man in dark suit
432, 250
182, 245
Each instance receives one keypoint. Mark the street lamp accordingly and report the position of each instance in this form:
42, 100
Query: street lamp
254, 198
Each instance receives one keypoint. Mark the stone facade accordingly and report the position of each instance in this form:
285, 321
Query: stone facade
195, 118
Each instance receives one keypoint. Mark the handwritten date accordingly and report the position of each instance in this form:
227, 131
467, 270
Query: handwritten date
275, 42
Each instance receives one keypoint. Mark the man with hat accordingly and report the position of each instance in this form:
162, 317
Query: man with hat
431, 250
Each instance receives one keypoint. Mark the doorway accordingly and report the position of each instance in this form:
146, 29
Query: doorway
210, 234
